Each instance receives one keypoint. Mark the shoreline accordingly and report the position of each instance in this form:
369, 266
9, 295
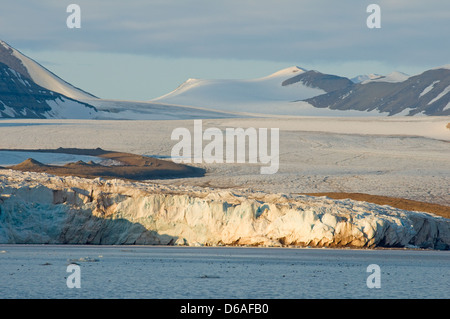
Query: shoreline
128, 166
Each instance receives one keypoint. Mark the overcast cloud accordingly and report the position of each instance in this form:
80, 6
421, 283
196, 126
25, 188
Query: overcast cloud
243, 29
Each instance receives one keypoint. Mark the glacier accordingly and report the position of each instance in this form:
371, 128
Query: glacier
37, 208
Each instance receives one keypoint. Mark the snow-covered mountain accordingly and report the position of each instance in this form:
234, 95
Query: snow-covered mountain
262, 95
28, 90
201, 92
31, 70
20, 97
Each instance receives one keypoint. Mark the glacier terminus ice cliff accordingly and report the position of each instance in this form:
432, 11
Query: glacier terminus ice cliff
37, 208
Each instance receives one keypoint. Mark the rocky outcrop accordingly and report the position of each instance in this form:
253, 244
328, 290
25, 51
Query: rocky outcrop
39, 208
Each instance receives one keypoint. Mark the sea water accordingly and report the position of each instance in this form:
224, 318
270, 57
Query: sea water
42, 271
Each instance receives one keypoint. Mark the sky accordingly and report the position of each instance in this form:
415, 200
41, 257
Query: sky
140, 49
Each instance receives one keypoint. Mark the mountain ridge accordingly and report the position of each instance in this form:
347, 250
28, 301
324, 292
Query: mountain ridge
28, 89
396, 93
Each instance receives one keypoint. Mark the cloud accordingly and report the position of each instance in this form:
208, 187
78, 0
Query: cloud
286, 30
